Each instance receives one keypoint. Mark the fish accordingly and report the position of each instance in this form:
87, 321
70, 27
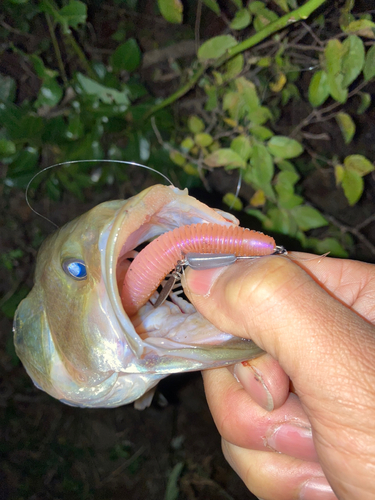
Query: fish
72, 332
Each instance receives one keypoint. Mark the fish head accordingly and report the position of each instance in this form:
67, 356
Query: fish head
72, 333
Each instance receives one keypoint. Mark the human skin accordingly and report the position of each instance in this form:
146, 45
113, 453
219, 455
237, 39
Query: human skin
299, 420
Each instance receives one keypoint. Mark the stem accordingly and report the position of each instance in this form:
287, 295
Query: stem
302, 12
56, 49
81, 56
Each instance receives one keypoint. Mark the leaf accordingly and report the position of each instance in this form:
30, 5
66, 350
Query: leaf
213, 5
283, 4
260, 115
195, 124
224, 157
256, 6
358, 164
353, 59
333, 58
232, 201
347, 126
241, 20
216, 47
279, 84
203, 140
330, 245
285, 189
234, 67
339, 174
7, 148
369, 67
284, 147
177, 158
262, 165
7, 88
362, 27
365, 102
308, 217
352, 184
126, 57
281, 221
50, 93
107, 95
260, 132
172, 490
171, 10
263, 18
187, 144
318, 88
258, 199
242, 146
74, 13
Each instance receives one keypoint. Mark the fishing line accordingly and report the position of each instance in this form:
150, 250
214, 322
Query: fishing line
72, 162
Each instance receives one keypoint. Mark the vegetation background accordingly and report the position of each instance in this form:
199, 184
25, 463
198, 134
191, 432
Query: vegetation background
263, 108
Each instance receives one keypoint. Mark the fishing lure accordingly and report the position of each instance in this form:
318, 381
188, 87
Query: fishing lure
219, 245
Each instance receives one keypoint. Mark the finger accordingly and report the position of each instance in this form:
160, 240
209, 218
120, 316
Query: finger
326, 348
264, 380
242, 422
350, 281
272, 476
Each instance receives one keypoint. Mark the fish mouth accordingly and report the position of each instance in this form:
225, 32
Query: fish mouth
173, 337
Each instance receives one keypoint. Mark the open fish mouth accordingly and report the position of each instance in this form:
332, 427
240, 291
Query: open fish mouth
76, 337
173, 337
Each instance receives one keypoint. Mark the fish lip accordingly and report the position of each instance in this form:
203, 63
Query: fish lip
178, 210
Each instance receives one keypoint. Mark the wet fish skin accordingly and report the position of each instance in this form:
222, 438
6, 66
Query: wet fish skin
74, 338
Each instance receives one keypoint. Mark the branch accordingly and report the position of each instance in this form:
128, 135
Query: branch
302, 12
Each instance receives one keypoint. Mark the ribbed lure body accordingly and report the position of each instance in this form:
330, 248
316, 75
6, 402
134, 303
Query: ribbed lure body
160, 257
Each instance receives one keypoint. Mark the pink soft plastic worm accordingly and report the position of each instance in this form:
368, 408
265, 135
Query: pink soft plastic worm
160, 257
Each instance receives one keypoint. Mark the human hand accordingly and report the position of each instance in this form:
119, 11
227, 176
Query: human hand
315, 319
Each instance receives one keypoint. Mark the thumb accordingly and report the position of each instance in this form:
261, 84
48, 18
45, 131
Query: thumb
326, 349
281, 308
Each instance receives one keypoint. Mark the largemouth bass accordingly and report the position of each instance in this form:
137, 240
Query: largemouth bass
72, 333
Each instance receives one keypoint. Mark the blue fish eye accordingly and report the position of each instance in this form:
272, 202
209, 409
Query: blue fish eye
75, 268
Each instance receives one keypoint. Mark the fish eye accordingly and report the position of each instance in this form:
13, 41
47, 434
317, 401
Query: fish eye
76, 268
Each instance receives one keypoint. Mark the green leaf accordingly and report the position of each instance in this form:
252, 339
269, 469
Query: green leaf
172, 490
50, 93
308, 217
365, 101
216, 47
107, 95
74, 13
260, 115
330, 245
262, 165
347, 126
171, 10
283, 4
203, 140
260, 132
256, 6
333, 58
285, 189
353, 59
358, 164
232, 201
238, 3
234, 67
126, 57
213, 5
225, 157
363, 27
22, 168
195, 124
242, 146
263, 18
7, 148
281, 221
284, 147
369, 67
7, 88
241, 20
352, 184
177, 158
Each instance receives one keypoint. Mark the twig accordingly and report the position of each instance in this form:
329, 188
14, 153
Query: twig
56, 48
302, 12
353, 230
